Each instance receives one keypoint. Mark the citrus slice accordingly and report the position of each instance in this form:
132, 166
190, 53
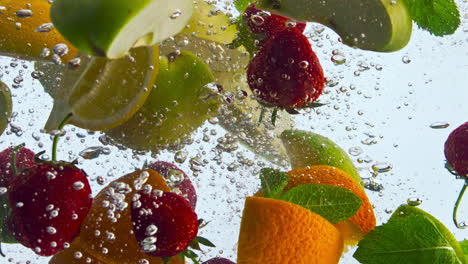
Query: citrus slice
358, 225
208, 22
278, 232
5, 106
105, 93
27, 30
106, 233
182, 102
240, 113
112, 27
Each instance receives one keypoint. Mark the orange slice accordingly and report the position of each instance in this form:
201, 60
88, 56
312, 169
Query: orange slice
358, 225
22, 22
278, 232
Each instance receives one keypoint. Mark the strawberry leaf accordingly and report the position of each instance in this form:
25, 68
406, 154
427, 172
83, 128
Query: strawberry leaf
273, 182
205, 241
241, 5
332, 203
411, 239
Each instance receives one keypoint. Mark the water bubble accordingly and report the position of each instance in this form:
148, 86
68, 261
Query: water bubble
406, 59
94, 152
439, 125
355, 151
44, 28
51, 230
176, 14
151, 230
23, 13
79, 185
382, 167
180, 156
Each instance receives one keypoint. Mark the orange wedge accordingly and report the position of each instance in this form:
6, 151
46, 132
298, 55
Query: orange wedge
358, 225
278, 232
110, 240
22, 22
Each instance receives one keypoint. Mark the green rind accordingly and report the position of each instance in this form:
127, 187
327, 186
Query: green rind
91, 26
6, 106
376, 25
305, 148
179, 104
407, 210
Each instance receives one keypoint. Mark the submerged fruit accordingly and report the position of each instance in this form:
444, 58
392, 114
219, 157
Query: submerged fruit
306, 149
456, 149
286, 72
358, 225
27, 32
112, 27
278, 232
103, 93
377, 25
183, 99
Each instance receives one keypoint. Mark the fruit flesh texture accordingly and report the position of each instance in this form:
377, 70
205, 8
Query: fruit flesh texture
306, 149
364, 219
24, 42
179, 105
36, 190
111, 27
6, 106
124, 249
456, 149
278, 232
377, 25
103, 93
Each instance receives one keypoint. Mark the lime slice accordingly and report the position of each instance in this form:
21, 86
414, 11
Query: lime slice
240, 115
209, 23
104, 93
5, 106
111, 27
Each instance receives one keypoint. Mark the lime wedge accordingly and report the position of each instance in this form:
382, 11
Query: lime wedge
102, 94
5, 106
111, 27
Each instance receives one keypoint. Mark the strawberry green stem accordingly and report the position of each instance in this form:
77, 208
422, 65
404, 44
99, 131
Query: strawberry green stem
57, 137
13, 161
457, 203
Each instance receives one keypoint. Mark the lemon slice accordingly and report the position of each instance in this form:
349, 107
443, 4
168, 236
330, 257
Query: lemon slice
104, 93
5, 106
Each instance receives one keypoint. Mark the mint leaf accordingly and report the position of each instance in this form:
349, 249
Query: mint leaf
410, 239
332, 203
241, 5
439, 17
205, 241
273, 182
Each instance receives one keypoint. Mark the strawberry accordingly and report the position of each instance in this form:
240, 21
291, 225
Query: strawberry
456, 149
24, 159
164, 223
48, 201
177, 179
286, 72
218, 261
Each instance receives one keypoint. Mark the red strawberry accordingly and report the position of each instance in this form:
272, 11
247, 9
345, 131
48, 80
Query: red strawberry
49, 202
164, 223
173, 175
456, 149
218, 261
24, 159
268, 24
286, 72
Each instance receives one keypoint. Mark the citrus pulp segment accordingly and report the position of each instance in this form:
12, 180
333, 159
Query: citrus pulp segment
377, 25
105, 93
183, 99
6, 106
364, 219
278, 232
112, 27
27, 30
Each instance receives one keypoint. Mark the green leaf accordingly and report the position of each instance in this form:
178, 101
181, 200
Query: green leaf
5, 235
439, 17
331, 202
464, 246
414, 238
241, 5
205, 241
273, 182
